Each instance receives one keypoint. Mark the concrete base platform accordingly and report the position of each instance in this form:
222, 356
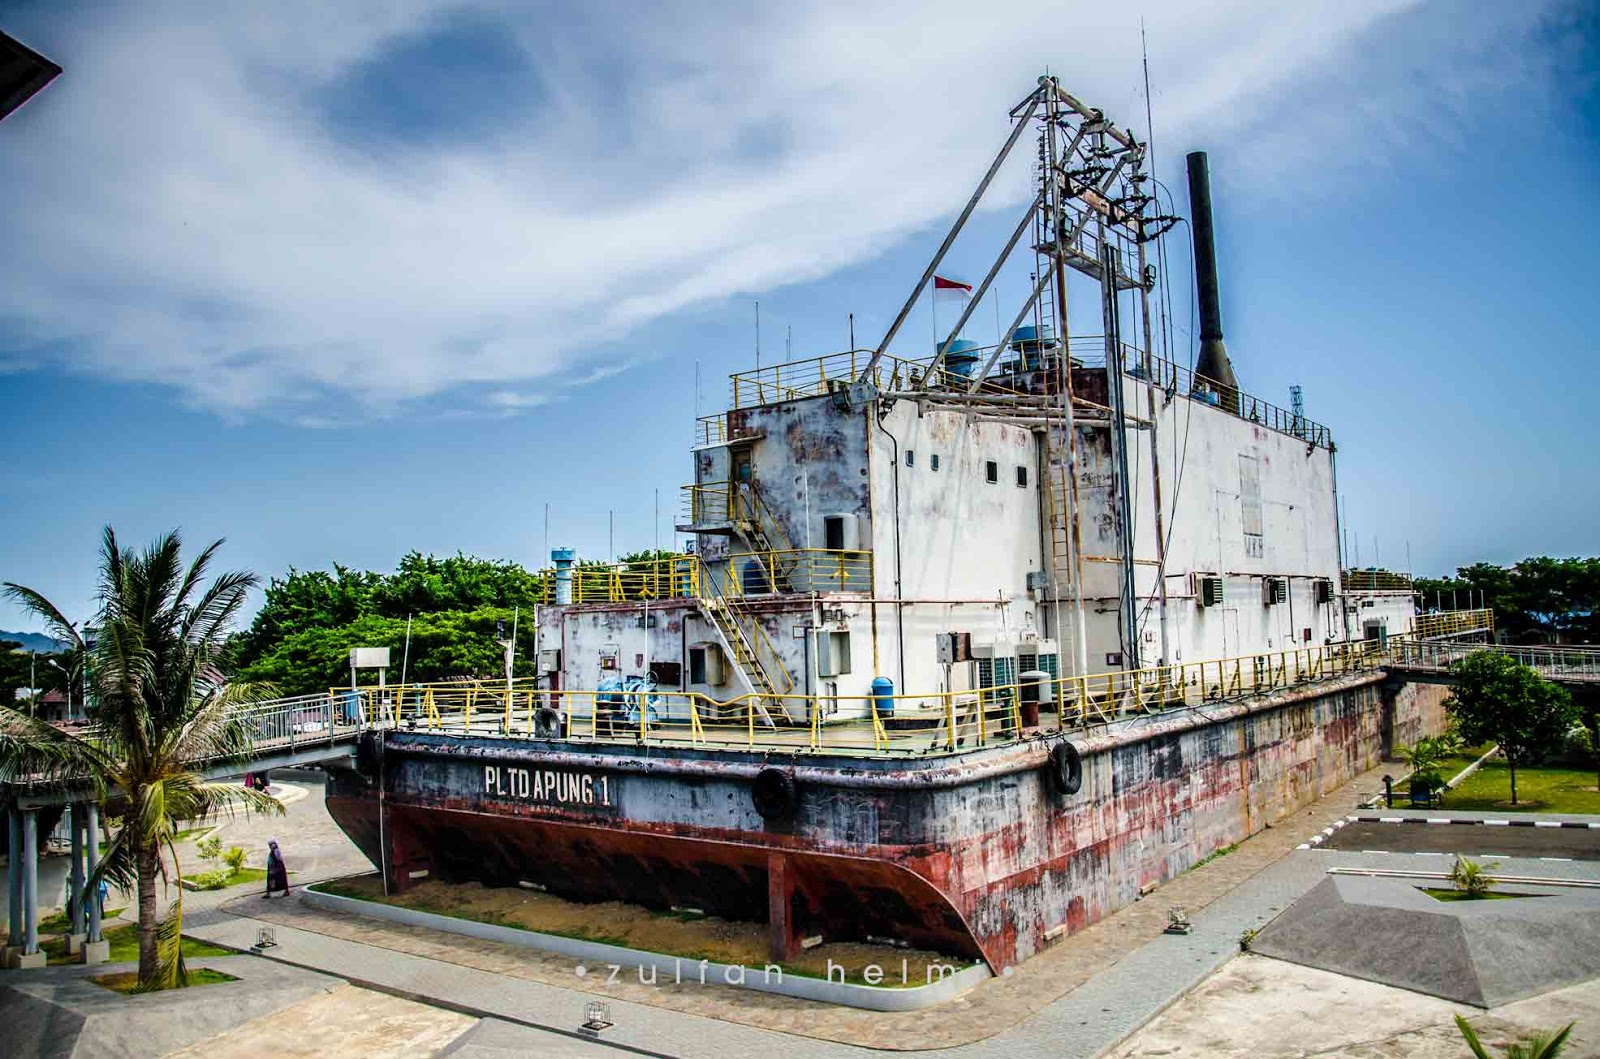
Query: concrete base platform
1483, 953
57, 1012
18, 960
96, 951
75, 943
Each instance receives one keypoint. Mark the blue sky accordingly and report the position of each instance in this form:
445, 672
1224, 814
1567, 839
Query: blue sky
335, 284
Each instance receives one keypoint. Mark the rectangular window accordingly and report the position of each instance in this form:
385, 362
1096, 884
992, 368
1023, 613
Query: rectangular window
991, 472
911, 458
933, 462
1022, 477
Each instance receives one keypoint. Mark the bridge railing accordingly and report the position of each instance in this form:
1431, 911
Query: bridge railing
1553, 663
301, 721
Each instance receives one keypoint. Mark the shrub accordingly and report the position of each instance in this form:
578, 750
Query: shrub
209, 848
234, 858
1471, 878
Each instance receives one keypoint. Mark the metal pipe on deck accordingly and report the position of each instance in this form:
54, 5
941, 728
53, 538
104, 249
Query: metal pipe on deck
563, 558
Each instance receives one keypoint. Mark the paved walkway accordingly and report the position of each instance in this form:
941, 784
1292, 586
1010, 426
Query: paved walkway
1075, 999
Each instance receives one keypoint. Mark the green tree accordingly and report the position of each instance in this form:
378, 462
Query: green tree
302, 636
1533, 600
1425, 757
13, 671
1497, 700
162, 711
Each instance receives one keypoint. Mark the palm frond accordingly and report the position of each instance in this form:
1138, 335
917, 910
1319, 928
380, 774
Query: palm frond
216, 732
218, 796
214, 613
35, 751
149, 806
35, 603
119, 864
124, 669
161, 572
196, 572
1547, 1047
1471, 1037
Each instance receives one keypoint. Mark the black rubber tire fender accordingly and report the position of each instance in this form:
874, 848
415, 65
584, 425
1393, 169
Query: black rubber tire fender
547, 723
773, 793
1065, 768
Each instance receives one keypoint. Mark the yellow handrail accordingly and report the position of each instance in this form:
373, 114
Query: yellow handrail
928, 723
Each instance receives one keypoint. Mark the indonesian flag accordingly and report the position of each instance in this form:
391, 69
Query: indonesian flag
940, 283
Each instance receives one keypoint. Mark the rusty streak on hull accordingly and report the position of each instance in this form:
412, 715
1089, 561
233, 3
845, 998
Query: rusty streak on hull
977, 857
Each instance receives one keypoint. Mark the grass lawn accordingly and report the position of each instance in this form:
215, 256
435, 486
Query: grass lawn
127, 981
1539, 789
56, 922
125, 947
1439, 894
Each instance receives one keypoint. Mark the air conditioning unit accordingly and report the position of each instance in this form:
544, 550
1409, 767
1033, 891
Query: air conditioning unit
1324, 590
1038, 655
1274, 590
1210, 591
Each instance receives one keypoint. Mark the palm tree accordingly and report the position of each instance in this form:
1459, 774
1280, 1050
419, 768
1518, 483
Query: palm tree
162, 712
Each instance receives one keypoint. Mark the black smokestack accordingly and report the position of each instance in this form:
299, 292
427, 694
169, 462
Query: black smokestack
1212, 365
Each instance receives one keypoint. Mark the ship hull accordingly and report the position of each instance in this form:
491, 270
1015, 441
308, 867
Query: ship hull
978, 855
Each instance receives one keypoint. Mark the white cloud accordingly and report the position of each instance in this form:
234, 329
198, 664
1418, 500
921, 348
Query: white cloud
193, 219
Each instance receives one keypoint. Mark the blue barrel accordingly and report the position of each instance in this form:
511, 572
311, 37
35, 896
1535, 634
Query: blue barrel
882, 696
960, 357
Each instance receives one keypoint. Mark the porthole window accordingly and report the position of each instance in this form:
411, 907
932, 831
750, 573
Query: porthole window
911, 458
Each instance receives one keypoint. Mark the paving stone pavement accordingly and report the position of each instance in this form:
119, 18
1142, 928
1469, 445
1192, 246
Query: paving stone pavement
1076, 999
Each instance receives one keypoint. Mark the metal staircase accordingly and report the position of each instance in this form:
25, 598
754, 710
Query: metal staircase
753, 520
751, 650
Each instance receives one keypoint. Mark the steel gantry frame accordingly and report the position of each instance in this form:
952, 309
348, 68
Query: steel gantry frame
1092, 214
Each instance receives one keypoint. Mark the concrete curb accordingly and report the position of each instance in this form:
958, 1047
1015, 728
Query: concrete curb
1455, 780
1327, 832
605, 956
1490, 822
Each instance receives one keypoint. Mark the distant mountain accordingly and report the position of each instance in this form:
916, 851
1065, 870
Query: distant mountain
34, 641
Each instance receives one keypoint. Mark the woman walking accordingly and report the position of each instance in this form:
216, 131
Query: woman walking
277, 874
